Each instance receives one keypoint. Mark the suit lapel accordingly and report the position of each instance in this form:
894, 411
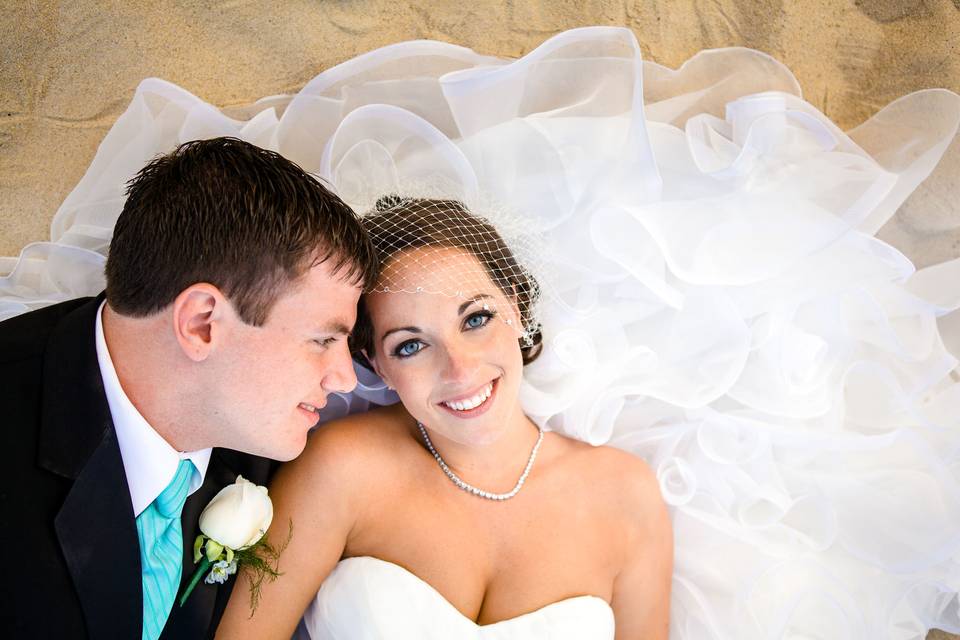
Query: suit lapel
98, 537
95, 525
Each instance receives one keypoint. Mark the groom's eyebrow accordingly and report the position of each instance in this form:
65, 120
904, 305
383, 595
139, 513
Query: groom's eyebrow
336, 327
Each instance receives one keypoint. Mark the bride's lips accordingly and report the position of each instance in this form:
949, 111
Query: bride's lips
489, 390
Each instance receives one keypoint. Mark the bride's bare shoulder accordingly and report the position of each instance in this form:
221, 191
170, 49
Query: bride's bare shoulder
619, 480
346, 464
375, 437
604, 463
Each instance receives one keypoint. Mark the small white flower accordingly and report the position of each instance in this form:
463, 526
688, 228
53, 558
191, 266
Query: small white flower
220, 571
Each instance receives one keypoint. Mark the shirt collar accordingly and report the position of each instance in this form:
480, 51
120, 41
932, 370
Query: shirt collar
149, 461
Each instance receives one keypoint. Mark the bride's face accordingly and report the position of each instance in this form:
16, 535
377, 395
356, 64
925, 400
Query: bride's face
454, 360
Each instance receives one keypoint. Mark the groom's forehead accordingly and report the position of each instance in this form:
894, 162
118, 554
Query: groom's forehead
317, 316
360, 270
329, 297
331, 273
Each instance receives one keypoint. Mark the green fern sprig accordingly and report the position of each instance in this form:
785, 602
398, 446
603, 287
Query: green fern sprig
262, 562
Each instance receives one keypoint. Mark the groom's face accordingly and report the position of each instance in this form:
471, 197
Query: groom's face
276, 376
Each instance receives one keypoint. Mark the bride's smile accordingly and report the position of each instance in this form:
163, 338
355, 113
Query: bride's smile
472, 404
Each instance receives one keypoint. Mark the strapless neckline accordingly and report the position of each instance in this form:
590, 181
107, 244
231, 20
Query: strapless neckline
393, 566
367, 598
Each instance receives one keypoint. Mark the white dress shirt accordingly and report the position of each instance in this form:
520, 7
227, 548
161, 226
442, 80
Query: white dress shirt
148, 460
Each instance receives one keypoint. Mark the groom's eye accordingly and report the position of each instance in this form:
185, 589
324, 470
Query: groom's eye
324, 342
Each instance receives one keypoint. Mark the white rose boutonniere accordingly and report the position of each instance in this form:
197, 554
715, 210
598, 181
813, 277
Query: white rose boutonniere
234, 526
238, 516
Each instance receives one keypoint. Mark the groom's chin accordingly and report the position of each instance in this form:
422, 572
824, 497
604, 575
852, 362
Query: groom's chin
286, 450
295, 445
281, 440
280, 447
288, 456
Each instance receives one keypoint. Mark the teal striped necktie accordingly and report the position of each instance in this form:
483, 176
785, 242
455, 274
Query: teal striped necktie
161, 551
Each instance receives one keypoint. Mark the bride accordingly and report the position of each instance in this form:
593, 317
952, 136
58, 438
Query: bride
453, 509
714, 301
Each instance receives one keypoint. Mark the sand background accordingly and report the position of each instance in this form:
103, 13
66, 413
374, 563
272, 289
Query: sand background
68, 70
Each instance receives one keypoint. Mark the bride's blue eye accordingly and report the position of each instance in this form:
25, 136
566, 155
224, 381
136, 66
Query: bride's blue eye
478, 319
408, 348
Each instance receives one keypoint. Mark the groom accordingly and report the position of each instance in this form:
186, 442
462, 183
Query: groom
232, 283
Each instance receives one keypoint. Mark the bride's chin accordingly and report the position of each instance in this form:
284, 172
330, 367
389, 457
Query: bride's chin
477, 440
479, 433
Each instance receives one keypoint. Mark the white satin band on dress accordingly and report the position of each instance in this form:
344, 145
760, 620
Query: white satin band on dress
370, 599
719, 303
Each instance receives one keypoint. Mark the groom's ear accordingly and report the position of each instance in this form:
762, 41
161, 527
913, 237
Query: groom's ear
196, 311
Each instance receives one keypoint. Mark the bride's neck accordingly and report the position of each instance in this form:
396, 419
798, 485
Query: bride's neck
494, 466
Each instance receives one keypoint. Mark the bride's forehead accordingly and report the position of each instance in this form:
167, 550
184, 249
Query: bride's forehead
444, 270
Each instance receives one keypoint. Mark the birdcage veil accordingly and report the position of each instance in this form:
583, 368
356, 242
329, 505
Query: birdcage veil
446, 239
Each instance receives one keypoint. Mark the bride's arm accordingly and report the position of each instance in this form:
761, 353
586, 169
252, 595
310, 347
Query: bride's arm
641, 592
318, 493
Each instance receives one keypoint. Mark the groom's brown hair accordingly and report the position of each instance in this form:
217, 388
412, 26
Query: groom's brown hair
241, 218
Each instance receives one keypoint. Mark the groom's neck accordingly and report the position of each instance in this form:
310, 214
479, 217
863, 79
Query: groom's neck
154, 375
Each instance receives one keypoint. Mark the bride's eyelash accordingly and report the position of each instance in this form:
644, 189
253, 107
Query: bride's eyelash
398, 350
487, 314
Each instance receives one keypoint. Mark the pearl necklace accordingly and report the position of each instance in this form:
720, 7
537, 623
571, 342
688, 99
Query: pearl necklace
472, 489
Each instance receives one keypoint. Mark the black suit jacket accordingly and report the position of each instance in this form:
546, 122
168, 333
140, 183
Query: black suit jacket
70, 549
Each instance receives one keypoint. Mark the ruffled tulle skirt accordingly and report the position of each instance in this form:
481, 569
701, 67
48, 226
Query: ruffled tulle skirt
716, 300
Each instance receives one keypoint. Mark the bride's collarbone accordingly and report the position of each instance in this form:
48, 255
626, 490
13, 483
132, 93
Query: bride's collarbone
493, 561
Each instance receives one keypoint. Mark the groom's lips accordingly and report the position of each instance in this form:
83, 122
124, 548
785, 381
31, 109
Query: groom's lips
311, 411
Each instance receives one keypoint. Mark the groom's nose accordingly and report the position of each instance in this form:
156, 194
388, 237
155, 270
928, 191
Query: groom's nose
339, 374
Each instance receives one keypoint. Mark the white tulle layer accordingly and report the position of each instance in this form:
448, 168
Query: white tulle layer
720, 305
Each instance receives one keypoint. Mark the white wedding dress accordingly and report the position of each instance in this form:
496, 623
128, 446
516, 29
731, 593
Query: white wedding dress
716, 302
369, 599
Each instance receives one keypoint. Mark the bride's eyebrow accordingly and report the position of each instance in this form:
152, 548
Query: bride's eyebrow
476, 298
397, 330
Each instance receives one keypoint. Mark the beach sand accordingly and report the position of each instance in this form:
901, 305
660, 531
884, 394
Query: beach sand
68, 70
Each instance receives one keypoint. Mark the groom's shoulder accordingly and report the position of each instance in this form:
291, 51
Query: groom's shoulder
25, 336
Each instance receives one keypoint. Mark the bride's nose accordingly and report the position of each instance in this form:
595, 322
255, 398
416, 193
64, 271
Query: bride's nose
460, 365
